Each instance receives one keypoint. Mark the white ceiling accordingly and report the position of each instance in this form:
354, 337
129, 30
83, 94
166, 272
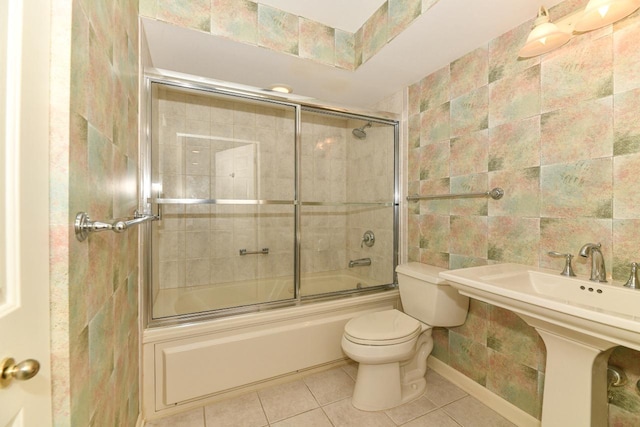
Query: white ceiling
446, 32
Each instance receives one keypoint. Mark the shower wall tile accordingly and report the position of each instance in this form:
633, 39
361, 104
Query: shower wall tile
582, 189
193, 14
509, 334
435, 89
401, 14
469, 153
523, 189
626, 107
589, 135
278, 30
580, 72
469, 112
513, 239
476, 325
625, 185
503, 53
515, 145
515, 97
415, 91
625, 249
435, 124
235, 20
469, 357
317, 41
515, 383
375, 32
434, 232
345, 46
359, 47
436, 156
625, 65
413, 136
469, 236
432, 187
469, 72
469, 184
461, 261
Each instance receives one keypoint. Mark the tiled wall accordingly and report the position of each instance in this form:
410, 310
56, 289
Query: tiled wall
560, 133
254, 23
95, 341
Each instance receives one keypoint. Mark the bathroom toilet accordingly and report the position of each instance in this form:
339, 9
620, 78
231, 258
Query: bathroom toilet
391, 347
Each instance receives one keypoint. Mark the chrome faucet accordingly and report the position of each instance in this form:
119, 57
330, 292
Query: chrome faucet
359, 262
598, 271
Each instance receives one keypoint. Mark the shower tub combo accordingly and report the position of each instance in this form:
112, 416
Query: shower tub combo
278, 224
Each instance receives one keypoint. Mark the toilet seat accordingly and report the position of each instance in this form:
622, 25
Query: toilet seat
382, 328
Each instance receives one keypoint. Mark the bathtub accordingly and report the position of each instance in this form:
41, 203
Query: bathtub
191, 365
195, 299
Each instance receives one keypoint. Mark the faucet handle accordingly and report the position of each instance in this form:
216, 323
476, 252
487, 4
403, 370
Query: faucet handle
633, 281
568, 269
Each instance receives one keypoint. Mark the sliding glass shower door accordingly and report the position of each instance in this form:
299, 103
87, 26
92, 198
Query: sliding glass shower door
263, 202
222, 177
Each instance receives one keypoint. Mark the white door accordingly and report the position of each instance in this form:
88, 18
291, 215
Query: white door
24, 211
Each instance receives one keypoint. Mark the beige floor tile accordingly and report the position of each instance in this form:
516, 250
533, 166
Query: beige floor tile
193, 418
351, 369
343, 414
411, 410
315, 418
440, 391
437, 418
469, 412
242, 411
330, 386
286, 400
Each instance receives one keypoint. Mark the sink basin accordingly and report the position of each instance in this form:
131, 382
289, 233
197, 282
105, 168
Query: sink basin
580, 322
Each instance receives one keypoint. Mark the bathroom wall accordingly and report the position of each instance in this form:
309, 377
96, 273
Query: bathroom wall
560, 134
94, 143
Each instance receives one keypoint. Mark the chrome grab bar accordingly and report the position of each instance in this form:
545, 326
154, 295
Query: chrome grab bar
495, 194
264, 251
84, 226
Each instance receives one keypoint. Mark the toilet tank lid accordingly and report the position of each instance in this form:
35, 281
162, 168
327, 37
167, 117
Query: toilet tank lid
418, 270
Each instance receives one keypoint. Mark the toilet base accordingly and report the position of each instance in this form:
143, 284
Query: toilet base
387, 385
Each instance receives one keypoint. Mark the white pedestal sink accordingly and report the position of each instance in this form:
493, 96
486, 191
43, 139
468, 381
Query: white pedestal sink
580, 322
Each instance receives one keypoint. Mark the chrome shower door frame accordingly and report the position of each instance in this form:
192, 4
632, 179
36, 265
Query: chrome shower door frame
150, 203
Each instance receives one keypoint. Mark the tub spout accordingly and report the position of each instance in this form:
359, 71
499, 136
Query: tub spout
359, 262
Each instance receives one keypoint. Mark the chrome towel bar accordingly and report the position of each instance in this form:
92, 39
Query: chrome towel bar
495, 194
84, 226
264, 251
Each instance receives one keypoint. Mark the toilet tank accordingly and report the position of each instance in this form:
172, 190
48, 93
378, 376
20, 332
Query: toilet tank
429, 298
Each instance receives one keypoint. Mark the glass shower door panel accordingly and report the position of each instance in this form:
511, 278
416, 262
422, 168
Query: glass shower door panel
333, 255
229, 241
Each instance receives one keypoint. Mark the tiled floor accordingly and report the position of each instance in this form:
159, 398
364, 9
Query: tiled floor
324, 400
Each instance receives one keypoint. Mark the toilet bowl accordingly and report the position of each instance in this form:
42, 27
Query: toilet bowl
391, 347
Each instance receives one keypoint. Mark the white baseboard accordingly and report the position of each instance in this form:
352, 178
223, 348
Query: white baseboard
492, 400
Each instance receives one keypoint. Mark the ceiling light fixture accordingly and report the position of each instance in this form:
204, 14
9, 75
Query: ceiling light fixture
600, 13
282, 88
546, 36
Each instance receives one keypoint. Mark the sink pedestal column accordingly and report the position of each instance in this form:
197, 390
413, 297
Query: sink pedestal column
575, 385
